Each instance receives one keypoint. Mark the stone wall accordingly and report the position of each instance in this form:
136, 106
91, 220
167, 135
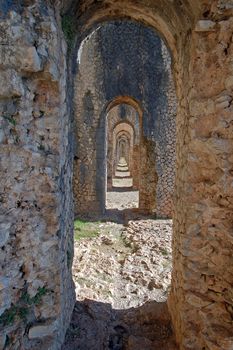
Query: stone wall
202, 271
36, 288
115, 60
166, 146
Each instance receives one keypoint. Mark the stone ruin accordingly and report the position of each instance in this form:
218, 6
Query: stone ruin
41, 106
123, 141
116, 82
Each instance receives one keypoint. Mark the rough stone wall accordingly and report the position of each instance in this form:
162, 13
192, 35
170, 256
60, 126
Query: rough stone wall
36, 288
116, 61
89, 160
166, 146
119, 114
202, 272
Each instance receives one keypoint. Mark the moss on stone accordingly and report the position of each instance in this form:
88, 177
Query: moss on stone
68, 30
21, 309
9, 118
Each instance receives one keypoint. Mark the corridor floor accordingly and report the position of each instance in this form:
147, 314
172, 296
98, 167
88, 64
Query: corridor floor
122, 276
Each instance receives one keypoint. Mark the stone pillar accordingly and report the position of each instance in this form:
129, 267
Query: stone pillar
36, 221
135, 171
148, 178
90, 134
201, 297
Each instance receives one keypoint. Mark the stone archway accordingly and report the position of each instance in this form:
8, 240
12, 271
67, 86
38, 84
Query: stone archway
130, 126
92, 102
123, 145
36, 156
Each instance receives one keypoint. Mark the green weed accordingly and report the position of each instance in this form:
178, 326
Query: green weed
10, 119
164, 252
22, 308
84, 229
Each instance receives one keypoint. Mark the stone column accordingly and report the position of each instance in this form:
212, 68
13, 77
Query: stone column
201, 298
36, 221
148, 178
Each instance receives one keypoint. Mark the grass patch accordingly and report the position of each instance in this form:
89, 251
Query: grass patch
85, 229
164, 252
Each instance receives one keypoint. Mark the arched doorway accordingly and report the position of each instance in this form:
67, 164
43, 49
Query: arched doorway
127, 119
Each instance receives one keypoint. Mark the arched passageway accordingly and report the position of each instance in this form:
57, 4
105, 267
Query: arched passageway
36, 164
123, 157
118, 95
123, 149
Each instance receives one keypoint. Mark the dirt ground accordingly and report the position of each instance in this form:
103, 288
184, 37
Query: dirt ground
122, 200
122, 277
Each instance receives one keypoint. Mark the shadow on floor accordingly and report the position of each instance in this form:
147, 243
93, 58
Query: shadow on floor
125, 215
122, 189
118, 216
97, 326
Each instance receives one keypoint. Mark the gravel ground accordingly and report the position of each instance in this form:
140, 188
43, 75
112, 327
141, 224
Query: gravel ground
122, 279
122, 200
125, 266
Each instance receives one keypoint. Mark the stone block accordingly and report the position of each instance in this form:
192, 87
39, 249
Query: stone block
205, 26
30, 60
40, 331
4, 233
2, 341
223, 101
21, 58
229, 83
51, 71
10, 84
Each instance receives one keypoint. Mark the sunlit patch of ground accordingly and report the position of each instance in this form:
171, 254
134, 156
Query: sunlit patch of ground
122, 200
122, 276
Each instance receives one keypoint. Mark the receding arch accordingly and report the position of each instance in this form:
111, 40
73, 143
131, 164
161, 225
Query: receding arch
130, 127
123, 130
170, 19
126, 100
113, 98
